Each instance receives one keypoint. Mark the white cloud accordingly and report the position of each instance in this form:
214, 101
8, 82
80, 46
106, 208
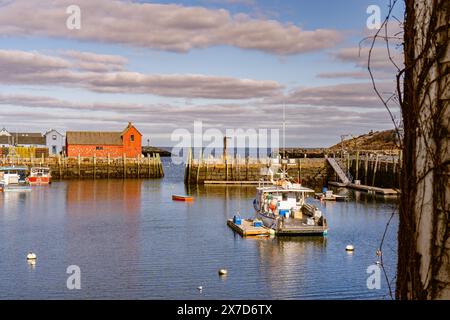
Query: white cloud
161, 26
19, 67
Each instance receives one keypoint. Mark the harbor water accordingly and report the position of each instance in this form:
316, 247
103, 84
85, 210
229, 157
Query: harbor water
131, 241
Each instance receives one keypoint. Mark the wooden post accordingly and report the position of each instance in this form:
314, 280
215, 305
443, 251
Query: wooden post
107, 165
226, 168
162, 168
149, 166
59, 167
246, 167
357, 166
366, 168
225, 153
348, 163
232, 176
186, 169
393, 164
95, 166
189, 165
124, 166
206, 169
375, 171
199, 165
138, 167
79, 166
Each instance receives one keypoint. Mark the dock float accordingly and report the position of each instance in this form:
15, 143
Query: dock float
246, 228
236, 182
368, 189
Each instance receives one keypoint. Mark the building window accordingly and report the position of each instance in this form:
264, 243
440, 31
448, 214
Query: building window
132, 138
54, 149
98, 148
54, 137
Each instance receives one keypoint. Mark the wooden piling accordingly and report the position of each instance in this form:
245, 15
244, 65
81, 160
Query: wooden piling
124, 160
199, 164
95, 166
357, 166
246, 167
60, 166
366, 168
138, 168
375, 171
79, 166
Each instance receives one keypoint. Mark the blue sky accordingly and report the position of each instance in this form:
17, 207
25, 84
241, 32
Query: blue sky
229, 63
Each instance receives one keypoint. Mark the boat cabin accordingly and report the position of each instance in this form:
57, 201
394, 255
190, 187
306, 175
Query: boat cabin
13, 175
283, 201
40, 172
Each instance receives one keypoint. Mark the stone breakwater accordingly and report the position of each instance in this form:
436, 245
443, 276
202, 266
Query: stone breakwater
311, 172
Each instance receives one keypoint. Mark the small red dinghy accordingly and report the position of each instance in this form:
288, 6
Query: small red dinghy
182, 198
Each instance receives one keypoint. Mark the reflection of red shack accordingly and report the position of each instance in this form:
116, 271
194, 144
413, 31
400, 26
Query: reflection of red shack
104, 144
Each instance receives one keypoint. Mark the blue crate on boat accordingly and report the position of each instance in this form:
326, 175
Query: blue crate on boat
284, 212
237, 220
257, 223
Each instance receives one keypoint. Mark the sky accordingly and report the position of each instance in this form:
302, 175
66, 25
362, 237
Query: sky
228, 63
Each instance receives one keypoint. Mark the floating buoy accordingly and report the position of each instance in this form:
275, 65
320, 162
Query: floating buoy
349, 248
271, 232
31, 256
378, 253
200, 288
223, 272
273, 205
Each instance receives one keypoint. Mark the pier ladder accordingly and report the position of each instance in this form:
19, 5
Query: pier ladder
337, 168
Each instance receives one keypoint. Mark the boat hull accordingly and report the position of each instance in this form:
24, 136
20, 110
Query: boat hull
182, 198
39, 180
268, 222
289, 229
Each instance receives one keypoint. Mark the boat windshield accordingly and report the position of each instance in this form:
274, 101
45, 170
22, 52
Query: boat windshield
40, 171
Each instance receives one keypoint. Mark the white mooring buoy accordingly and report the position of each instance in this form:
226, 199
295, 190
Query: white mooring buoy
349, 248
200, 288
223, 272
31, 256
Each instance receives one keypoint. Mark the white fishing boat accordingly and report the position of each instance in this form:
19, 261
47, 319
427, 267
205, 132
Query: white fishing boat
40, 176
14, 179
282, 207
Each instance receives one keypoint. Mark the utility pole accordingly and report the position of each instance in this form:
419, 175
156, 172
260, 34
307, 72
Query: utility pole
225, 151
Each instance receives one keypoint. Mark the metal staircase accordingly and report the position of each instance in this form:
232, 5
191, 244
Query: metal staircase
337, 168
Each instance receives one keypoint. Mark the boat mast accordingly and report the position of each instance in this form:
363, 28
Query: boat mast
284, 130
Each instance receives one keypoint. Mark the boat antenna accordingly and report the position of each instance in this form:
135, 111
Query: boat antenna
284, 130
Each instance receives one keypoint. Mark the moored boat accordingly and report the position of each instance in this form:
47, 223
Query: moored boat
282, 207
40, 176
182, 198
14, 179
329, 196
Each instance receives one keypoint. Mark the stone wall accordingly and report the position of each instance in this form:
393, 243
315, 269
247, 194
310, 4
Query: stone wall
93, 167
311, 172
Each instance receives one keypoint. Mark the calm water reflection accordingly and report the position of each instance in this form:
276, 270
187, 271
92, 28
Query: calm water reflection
132, 241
